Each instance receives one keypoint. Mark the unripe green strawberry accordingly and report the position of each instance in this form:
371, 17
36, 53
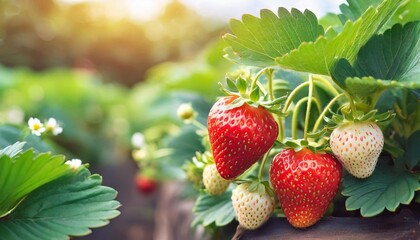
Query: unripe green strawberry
194, 174
212, 180
252, 209
357, 146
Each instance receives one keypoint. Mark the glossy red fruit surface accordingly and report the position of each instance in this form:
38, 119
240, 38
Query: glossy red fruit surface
305, 184
239, 136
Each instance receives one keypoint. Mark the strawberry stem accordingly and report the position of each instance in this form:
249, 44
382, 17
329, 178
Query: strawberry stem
321, 117
295, 116
308, 108
352, 105
163, 152
281, 129
198, 125
375, 98
292, 94
255, 80
264, 159
269, 73
325, 84
322, 82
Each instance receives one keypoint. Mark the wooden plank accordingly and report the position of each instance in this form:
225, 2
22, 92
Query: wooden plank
403, 226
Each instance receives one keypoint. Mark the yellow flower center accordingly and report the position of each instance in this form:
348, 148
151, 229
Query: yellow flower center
37, 126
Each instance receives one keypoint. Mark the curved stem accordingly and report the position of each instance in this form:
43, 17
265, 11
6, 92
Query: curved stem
198, 124
255, 79
260, 172
308, 108
281, 129
163, 152
326, 84
352, 106
317, 103
295, 116
269, 73
261, 88
321, 117
375, 98
292, 94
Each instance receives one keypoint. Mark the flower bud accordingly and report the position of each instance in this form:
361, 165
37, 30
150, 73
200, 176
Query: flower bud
185, 111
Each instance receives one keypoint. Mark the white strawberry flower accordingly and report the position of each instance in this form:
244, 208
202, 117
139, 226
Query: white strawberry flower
74, 163
53, 126
137, 140
36, 127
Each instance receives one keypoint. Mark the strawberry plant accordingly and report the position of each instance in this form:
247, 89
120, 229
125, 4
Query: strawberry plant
43, 196
318, 112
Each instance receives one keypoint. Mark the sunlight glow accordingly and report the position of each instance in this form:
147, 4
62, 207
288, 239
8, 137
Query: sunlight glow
144, 10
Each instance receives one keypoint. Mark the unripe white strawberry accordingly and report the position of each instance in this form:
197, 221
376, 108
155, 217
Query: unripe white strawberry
357, 146
212, 180
252, 209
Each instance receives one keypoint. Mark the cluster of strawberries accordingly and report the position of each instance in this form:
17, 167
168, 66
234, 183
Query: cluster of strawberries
305, 182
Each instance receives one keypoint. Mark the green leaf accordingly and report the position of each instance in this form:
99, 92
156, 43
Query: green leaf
184, 146
355, 9
231, 85
409, 12
10, 135
65, 207
320, 56
241, 85
412, 153
255, 94
213, 209
258, 41
387, 188
12, 150
366, 86
25, 172
394, 55
331, 20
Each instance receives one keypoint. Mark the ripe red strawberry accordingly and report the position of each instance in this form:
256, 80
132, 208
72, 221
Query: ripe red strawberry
305, 184
357, 146
145, 185
239, 136
252, 209
212, 180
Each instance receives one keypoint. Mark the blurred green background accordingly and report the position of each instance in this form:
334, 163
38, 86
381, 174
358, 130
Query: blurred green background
103, 77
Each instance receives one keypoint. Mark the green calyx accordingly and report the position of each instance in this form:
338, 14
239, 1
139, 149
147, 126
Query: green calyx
194, 169
249, 90
314, 143
201, 159
258, 187
348, 115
